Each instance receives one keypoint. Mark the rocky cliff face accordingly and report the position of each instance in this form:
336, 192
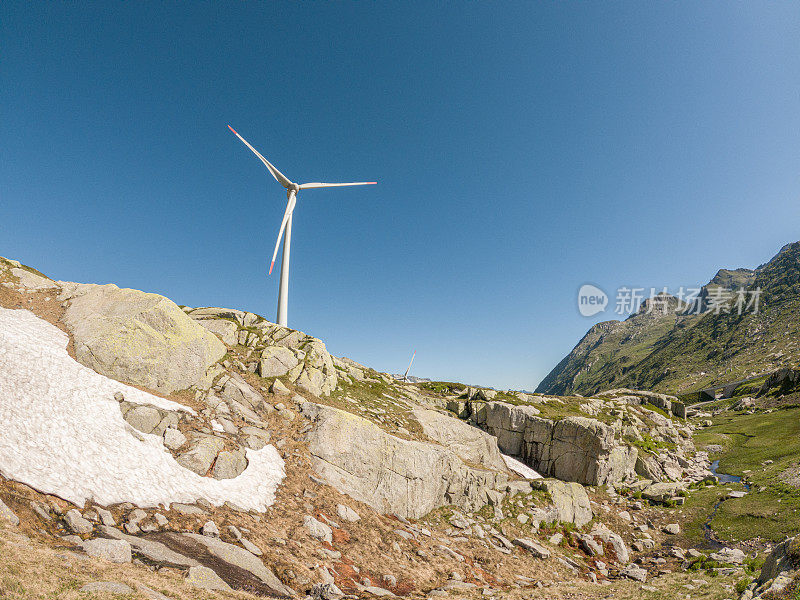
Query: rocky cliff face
676, 353
572, 449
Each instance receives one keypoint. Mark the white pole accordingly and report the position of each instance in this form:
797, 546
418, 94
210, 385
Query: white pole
283, 292
405, 377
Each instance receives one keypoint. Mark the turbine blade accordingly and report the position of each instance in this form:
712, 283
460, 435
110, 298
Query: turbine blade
279, 177
289, 208
306, 186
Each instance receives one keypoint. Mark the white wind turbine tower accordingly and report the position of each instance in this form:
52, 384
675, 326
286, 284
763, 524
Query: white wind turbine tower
292, 189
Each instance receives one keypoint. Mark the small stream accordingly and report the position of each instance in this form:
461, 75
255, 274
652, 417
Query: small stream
723, 478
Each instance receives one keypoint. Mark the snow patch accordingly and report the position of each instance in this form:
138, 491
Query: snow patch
520, 468
62, 432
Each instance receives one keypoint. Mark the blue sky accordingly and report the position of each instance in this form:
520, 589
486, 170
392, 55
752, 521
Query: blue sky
521, 150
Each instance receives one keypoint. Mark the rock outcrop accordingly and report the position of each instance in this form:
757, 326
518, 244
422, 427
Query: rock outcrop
571, 449
781, 567
275, 351
669, 404
138, 338
392, 475
469, 443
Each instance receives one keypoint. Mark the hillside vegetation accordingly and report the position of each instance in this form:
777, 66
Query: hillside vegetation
673, 352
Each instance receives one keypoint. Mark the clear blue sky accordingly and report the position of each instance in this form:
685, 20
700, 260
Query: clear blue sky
521, 150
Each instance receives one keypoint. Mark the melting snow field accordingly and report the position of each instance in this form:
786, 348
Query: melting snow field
520, 468
62, 432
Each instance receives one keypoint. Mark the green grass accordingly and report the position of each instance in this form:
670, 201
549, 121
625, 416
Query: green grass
772, 508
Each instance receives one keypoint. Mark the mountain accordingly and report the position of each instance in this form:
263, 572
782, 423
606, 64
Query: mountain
679, 352
245, 458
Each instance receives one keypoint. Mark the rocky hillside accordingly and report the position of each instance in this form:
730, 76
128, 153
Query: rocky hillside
675, 352
157, 451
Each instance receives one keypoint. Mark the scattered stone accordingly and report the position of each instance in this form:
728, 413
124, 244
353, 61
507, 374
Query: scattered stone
201, 454
534, 548
186, 509
40, 509
672, 529
677, 552
173, 439
590, 545
136, 516
150, 593
155, 552
326, 591
570, 499
633, 571
346, 513
229, 465
210, 529
730, 556
131, 528
612, 541
317, 529
250, 547
109, 587
377, 591
118, 551
279, 389
106, 518
242, 559
143, 418
8, 514
77, 523
206, 579
458, 520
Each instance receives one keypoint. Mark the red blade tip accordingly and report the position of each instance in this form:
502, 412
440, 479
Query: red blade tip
232, 129
272, 264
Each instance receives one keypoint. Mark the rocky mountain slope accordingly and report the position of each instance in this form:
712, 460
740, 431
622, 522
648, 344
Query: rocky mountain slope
240, 459
675, 352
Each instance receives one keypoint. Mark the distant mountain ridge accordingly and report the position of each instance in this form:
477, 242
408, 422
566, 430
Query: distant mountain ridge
678, 352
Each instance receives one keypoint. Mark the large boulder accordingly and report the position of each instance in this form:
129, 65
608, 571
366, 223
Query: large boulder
139, 338
570, 499
571, 449
394, 476
469, 443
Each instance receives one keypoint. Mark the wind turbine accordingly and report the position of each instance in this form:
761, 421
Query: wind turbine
292, 189
405, 377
